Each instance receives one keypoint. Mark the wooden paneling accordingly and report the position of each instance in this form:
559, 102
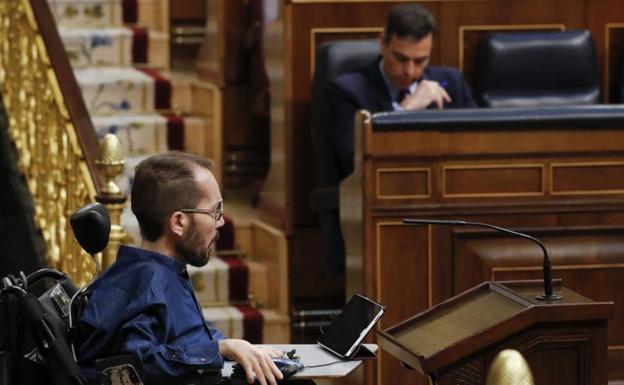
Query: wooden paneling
590, 261
588, 178
403, 183
508, 177
186, 10
403, 256
492, 180
603, 18
501, 14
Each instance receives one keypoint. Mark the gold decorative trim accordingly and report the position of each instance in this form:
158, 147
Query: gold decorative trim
582, 164
50, 156
500, 27
607, 57
615, 347
493, 166
378, 172
345, 30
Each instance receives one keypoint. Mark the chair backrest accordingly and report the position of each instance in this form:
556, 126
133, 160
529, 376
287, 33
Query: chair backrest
332, 60
531, 69
616, 94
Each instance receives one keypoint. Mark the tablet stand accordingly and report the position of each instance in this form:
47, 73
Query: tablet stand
362, 353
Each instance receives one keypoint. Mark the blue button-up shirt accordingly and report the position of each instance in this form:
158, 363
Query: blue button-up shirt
144, 305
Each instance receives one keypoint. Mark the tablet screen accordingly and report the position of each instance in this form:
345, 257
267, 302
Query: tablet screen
350, 327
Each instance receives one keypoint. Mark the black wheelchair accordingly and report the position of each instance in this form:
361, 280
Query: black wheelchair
38, 312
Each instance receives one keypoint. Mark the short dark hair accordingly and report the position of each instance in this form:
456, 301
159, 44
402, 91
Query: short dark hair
411, 21
163, 184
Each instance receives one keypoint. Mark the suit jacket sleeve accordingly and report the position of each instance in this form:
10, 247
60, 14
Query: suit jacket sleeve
466, 95
455, 85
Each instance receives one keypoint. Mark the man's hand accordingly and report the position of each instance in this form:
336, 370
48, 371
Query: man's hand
427, 92
253, 359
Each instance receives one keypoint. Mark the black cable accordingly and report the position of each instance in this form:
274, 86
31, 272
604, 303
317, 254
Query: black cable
321, 365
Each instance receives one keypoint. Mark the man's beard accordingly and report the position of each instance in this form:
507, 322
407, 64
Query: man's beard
192, 250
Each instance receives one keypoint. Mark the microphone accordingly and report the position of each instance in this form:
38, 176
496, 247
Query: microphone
548, 294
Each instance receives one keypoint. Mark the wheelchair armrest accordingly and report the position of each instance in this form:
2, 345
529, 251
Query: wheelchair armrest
125, 369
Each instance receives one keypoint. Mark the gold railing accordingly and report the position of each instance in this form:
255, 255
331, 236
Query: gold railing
49, 125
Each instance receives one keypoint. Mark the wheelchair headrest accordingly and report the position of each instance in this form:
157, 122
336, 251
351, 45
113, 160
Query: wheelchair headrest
91, 225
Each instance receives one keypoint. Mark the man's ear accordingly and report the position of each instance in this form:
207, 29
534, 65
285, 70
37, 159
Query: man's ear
177, 223
382, 41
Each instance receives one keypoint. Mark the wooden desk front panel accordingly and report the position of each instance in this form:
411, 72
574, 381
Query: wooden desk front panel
563, 186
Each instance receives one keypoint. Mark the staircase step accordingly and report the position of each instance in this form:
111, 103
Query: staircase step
98, 47
139, 134
87, 13
116, 89
276, 328
226, 279
211, 282
115, 47
254, 325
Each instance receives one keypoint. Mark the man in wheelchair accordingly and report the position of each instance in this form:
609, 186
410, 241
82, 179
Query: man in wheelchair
144, 303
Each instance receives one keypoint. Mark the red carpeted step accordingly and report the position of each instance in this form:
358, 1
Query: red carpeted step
162, 94
227, 239
140, 45
238, 283
252, 324
175, 132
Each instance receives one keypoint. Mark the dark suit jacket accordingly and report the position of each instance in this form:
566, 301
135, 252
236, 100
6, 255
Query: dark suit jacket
363, 89
366, 89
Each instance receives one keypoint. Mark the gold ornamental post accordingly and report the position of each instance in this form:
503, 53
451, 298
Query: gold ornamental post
110, 162
509, 368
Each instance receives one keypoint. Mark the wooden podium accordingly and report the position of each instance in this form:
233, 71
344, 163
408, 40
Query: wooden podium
564, 342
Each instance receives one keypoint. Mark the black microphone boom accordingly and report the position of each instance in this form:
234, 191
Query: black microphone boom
548, 290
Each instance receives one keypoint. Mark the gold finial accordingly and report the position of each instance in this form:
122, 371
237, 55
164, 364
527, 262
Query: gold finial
509, 368
110, 162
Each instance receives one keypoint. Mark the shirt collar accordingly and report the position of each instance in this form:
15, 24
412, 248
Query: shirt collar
393, 91
128, 253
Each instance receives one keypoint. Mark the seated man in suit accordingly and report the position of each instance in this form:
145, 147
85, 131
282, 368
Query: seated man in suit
144, 303
400, 79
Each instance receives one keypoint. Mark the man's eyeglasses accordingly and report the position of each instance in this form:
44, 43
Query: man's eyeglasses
216, 213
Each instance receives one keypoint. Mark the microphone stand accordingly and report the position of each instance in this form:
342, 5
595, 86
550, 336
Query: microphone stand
548, 294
